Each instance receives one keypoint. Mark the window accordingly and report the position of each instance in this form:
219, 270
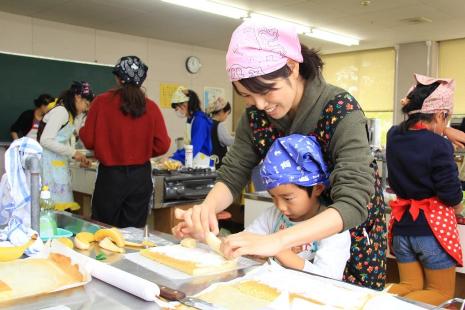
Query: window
369, 76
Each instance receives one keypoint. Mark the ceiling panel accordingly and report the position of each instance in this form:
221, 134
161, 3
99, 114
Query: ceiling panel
27, 7
377, 25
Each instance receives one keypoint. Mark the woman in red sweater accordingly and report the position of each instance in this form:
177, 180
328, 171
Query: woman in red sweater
125, 129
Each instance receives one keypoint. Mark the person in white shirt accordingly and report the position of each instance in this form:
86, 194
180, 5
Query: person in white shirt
56, 136
219, 110
295, 175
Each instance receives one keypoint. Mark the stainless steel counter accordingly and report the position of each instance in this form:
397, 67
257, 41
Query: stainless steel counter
100, 295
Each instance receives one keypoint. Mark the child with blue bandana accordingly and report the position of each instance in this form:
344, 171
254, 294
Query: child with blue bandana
295, 175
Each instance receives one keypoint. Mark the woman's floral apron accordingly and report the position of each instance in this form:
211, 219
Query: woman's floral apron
367, 264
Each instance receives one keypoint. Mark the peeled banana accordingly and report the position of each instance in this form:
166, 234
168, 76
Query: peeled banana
189, 243
15, 252
213, 242
107, 244
111, 233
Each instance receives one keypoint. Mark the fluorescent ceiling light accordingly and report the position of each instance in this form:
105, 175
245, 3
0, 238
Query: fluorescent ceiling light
307, 30
211, 7
332, 37
233, 12
301, 29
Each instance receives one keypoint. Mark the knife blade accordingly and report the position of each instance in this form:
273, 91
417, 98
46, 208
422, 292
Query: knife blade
176, 295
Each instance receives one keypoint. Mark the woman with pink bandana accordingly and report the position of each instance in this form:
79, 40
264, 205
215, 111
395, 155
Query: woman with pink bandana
282, 83
423, 230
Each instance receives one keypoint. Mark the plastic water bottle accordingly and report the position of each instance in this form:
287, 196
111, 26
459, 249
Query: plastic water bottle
48, 224
189, 151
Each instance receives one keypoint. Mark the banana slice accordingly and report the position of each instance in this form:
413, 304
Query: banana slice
107, 244
80, 244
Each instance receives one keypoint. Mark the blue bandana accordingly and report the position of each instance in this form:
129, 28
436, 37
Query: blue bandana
294, 159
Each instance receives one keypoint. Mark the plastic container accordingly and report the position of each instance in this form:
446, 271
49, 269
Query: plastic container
48, 224
189, 151
59, 234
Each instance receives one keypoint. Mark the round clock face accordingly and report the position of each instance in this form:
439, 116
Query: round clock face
193, 64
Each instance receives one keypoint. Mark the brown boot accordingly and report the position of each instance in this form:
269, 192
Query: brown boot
440, 286
411, 279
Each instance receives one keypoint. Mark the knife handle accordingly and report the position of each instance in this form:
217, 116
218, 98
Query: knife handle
171, 294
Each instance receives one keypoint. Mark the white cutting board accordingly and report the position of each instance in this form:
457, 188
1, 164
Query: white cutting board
201, 253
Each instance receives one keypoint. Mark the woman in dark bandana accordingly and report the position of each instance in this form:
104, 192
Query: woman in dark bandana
125, 129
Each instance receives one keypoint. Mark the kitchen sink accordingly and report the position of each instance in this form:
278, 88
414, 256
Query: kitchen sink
74, 223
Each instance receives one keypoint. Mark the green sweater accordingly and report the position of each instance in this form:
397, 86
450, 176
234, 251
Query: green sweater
352, 179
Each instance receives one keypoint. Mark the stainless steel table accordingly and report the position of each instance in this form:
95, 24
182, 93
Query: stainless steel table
100, 295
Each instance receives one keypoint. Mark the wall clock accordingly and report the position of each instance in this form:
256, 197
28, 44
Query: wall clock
193, 64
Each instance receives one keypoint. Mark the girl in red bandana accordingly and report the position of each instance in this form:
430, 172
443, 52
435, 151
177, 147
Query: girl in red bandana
423, 231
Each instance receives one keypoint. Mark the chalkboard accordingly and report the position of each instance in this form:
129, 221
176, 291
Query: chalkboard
24, 78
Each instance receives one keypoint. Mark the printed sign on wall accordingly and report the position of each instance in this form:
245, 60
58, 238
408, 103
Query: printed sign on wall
166, 92
210, 94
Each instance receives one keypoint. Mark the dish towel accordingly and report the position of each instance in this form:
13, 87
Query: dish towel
15, 194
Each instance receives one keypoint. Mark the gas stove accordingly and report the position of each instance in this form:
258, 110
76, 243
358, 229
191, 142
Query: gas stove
183, 184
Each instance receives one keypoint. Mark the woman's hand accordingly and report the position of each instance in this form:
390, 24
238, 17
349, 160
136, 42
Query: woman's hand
457, 137
85, 163
196, 222
246, 243
78, 156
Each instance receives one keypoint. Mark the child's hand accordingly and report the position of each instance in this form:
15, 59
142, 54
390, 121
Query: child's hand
177, 230
455, 136
459, 210
246, 243
289, 259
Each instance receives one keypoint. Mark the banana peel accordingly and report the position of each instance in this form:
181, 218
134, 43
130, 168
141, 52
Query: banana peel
86, 236
172, 164
143, 244
83, 240
112, 233
107, 244
66, 242
14, 252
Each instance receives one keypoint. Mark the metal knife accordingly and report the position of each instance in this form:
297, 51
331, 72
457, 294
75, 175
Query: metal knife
175, 295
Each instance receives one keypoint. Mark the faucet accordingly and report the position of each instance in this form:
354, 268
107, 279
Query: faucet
33, 165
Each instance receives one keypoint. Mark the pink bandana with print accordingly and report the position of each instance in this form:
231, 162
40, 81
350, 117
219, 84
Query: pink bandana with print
439, 100
258, 49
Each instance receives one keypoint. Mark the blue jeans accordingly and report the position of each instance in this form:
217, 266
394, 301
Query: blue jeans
424, 249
